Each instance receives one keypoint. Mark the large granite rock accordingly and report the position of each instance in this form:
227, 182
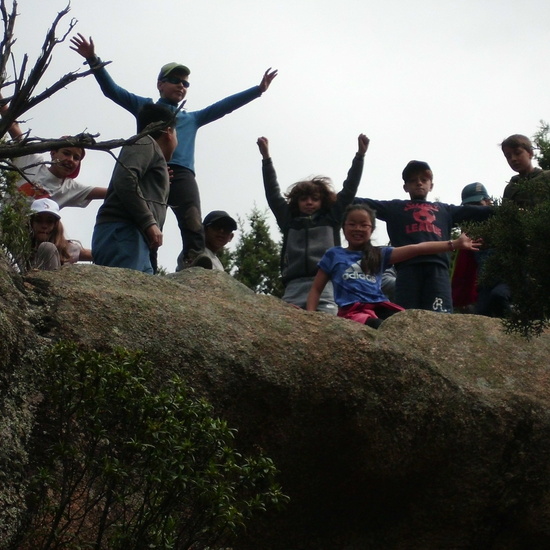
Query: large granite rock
430, 433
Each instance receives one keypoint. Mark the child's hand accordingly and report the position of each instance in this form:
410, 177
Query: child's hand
267, 79
154, 236
82, 46
263, 146
465, 243
363, 141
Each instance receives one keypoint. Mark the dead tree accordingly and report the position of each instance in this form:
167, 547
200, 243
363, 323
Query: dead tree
24, 96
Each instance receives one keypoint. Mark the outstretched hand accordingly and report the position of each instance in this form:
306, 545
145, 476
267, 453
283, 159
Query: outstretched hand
263, 146
82, 46
267, 78
363, 142
465, 243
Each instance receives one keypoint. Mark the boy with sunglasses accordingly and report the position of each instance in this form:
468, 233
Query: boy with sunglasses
172, 84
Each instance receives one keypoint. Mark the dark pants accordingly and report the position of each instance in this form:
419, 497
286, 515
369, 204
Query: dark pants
494, 301
185, 202
424, 286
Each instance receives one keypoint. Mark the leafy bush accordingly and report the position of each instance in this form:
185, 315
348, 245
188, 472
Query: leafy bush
15, 239
521, 258
541, 140
119, 465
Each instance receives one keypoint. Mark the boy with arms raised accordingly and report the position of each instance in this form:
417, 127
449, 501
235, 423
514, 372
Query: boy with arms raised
129, 223
172, 84
423, 282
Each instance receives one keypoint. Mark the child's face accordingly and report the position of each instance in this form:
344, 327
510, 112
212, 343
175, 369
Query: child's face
174, 87
357, 229
65, 161
216, 236
309, 204
42, 226
418, 186
519, 159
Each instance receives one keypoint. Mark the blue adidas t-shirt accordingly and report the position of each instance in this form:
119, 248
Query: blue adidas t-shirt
350, 284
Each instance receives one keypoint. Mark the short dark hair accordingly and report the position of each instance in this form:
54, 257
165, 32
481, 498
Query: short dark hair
518, 141
415, 167
151, 113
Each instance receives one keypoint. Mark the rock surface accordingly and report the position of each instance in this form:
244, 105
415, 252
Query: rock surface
430, 433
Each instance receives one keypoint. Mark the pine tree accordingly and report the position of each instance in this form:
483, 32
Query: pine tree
542, 143
255, 262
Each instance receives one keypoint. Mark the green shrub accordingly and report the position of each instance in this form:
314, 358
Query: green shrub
521, 258
15, 239
119, 465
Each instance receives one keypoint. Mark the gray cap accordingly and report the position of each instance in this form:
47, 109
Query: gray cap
474, 192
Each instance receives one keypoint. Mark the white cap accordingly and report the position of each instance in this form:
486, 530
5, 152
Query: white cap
45, 205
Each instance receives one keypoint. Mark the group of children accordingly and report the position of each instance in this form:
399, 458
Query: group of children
419, 231
318, 273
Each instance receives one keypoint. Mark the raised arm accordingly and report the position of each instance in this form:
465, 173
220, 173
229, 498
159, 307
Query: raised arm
236, 101
85, 48
349, 189
263, 146
267, 79
407, 252
275, 199
363, 144
127, 100
319, 283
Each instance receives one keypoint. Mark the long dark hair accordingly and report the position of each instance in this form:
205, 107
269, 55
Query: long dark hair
372, 258
57, 237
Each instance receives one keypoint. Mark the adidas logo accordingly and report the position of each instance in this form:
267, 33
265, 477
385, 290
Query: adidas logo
354, 271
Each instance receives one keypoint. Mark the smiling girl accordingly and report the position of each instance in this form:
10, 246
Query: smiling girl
50, 248
356, 271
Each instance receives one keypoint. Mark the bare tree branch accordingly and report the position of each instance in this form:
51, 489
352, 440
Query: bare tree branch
22, 98
33, 145
7, 42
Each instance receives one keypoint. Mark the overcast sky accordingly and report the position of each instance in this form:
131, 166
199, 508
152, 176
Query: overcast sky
435, 80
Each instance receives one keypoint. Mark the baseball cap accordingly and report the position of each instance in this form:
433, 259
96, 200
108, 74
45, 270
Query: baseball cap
40, 206
474, 192
413, 167
165, 70
219, 215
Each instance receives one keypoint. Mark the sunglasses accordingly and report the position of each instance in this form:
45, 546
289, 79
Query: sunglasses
174, 80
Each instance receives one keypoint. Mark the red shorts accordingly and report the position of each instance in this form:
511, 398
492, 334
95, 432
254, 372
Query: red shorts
361, 312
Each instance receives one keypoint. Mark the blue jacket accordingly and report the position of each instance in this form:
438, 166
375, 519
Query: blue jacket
187, 123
